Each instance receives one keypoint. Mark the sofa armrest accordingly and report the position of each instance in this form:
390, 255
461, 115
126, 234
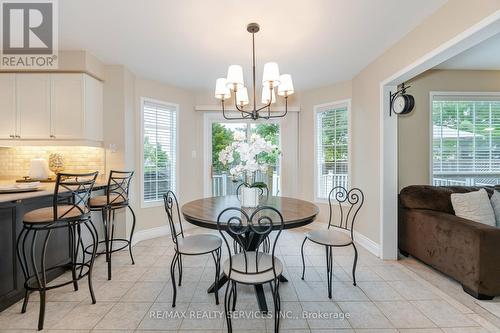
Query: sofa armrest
464, 249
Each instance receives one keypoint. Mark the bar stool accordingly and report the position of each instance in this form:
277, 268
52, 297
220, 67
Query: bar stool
70, 209
116, 197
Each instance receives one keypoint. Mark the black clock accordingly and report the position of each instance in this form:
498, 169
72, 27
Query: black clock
403, 104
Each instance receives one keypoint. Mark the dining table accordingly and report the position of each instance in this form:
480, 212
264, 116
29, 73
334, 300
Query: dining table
204, 213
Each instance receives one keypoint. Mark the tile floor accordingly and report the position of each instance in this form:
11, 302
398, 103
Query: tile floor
403, 296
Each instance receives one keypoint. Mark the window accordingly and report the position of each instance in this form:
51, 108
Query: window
331, 147
465, 139
159, 149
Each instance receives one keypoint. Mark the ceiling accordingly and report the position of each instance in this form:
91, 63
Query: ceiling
484, 56
190, 43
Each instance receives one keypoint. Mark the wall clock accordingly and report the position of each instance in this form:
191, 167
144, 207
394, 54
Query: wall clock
400, 102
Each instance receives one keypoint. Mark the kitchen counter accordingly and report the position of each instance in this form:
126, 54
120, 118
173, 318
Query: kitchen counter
45, 189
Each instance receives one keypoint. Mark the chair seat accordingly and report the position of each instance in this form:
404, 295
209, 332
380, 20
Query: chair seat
102, 200
46, 214
256, 274
199, 244
329, 237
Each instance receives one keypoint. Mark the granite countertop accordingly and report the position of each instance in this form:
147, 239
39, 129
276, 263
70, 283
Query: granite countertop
45, 189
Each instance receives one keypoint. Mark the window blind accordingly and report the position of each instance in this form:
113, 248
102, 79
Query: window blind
332, 149
159, 160
466, 139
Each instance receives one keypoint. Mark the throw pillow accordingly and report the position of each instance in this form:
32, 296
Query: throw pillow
495, 203
474, 206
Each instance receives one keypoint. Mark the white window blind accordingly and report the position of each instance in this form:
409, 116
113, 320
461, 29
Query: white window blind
160, 142
332, 148
465, 139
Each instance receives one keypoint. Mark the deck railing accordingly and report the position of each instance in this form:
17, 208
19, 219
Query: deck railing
222, 183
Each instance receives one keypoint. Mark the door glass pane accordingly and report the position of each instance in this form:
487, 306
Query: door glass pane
223, 135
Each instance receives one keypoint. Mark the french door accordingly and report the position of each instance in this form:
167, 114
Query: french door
220, 134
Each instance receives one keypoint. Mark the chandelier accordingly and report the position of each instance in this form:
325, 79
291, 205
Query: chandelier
271, 81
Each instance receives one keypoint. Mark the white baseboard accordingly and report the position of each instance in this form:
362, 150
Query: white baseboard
367, 243
146, 234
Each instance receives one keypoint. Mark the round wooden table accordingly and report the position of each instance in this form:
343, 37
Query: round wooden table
204, 213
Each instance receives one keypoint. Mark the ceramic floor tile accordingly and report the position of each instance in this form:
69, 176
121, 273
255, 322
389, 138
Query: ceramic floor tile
379, 291
403, 314
54, 311
203, 316
83, 316
324, 315
364, 315
124, 316
161, 316
345, 291
112, 291
184, 293
413, 290
144, 292
443, 314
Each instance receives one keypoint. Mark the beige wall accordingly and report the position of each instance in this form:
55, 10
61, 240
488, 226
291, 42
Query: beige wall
450, 20
414, 129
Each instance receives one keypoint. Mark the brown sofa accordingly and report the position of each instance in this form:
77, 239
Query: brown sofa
465, 250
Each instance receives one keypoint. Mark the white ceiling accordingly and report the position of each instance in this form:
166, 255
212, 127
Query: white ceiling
190, 43
484, 56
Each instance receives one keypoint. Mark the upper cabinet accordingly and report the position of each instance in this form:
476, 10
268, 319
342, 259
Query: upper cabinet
51, 107
67, 106
33, 106
8, 112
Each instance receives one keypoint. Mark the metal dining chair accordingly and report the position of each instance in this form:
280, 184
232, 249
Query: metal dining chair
339, 232
250, 267
189, 245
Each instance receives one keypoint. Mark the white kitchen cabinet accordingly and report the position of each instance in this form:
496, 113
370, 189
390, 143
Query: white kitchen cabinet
33, 106
67, 106
8, 111
51, 107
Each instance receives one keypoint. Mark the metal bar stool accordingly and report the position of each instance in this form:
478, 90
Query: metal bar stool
69, 210
116, 197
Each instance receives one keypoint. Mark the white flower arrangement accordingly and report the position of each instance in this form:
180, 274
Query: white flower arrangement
251, 156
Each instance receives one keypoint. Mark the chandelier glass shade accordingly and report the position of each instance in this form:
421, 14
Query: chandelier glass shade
272, 83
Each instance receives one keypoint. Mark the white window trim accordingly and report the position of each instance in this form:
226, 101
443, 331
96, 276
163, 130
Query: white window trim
216, 117
320, 108
158, 203
432, 94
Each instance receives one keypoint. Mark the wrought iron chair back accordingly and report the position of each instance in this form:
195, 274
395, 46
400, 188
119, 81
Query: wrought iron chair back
174, 216
72, 193
249, 231
118, 187
349, 203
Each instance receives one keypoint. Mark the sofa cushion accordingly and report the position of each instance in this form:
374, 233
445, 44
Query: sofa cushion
495, 203
474, 206
436, 198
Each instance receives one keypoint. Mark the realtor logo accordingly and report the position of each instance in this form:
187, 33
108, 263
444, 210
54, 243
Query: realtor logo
29, 34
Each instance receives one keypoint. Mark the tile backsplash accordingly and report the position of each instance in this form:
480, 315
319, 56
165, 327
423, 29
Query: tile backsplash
15, 161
